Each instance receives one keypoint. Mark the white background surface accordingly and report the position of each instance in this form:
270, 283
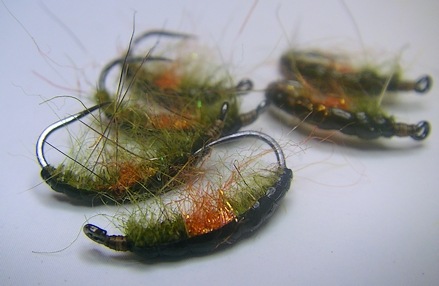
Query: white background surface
363, 214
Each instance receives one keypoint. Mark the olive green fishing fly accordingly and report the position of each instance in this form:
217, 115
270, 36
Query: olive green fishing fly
206, 218
330, 72
325, 91
185, 87
162, 112
137, 174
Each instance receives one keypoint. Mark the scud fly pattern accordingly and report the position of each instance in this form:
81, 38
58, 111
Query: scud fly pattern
134, 175
331, 72
187, 87
205, 216
330, 93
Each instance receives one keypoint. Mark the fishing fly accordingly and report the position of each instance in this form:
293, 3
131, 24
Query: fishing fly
136, 174
211, 212
137, 141
178, 90
328, 92
331, 72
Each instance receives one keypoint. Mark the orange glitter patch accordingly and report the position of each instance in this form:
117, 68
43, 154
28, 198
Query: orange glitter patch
208, 213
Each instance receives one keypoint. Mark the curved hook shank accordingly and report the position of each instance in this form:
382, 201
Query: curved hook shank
124, 61
57, 125
162, 33
256, 134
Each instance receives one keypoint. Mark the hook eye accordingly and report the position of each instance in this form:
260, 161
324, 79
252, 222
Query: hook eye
423, 84
422, 131
244, 85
